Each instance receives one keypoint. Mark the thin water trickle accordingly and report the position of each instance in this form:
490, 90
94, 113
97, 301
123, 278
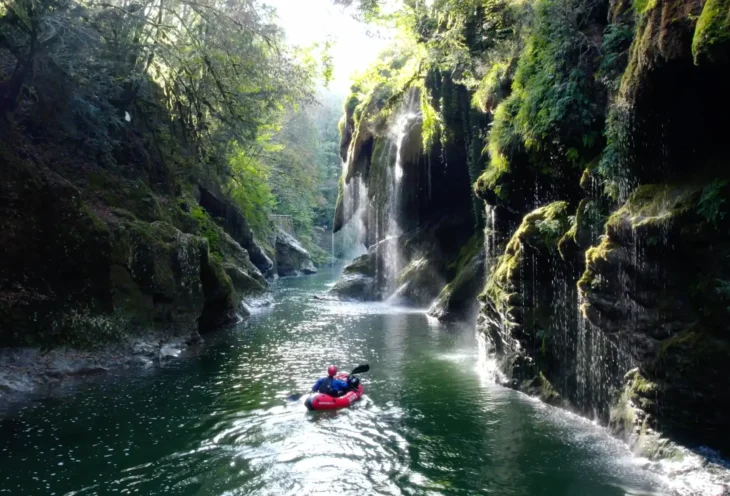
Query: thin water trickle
490, 236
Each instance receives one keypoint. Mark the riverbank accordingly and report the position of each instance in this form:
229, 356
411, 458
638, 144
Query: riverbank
25, 370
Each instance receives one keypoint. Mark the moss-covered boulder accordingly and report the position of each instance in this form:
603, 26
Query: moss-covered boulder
358, 281
711, 41
155, 273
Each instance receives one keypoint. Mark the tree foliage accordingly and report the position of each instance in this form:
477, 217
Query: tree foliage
173, 90
219, 67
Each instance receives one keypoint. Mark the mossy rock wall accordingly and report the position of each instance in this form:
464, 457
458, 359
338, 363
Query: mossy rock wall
528, 314
655, 286
106, 257
155, 273
54, 252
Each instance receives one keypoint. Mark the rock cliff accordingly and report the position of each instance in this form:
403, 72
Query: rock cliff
92, 258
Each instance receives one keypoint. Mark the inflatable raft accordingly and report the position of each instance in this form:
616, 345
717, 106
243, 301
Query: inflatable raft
321, 401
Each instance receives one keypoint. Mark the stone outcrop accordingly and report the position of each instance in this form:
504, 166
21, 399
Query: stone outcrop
426, 203
292, 259
358, 281
235, 224
458, 299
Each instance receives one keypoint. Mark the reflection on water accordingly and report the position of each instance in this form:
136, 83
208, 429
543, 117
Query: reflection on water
432, 421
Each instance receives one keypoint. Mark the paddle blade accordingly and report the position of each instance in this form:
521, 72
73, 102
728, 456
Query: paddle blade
360, 369
295, 397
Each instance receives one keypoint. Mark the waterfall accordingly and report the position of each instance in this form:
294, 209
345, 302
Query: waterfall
399, 133
332, 238
353, 235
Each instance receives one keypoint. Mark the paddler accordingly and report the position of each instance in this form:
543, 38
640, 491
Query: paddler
329, 385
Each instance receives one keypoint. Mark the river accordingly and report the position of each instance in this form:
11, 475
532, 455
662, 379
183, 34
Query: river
219, 422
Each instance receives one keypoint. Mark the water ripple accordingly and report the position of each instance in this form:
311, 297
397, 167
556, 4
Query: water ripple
431, 423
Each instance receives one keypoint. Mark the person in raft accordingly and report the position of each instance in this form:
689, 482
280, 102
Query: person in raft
329, 385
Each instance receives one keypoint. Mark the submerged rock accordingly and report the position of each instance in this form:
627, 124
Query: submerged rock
292, 258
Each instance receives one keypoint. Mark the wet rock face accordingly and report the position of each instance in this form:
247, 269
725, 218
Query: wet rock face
291, 257
458, 299
651, 299
653, 286
528, 313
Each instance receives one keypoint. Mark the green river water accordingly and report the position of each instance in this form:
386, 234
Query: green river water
218, 422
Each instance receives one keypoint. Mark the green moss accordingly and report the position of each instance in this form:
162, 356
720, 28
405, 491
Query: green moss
622, 415
711, 41
209, 230
416, 270
596, 256
711, 204
504, 138
655, 205
689, 339
540, 229
640, 390
494, 86
586, 217
547, 392
642, 6
642, 385
351, 102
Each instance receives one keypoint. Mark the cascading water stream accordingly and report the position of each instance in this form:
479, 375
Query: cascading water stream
400, 134
355, 202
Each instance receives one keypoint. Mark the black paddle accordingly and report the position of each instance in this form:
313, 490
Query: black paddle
360, 369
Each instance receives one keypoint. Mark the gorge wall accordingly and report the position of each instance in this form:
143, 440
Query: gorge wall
603, 185
611, 299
